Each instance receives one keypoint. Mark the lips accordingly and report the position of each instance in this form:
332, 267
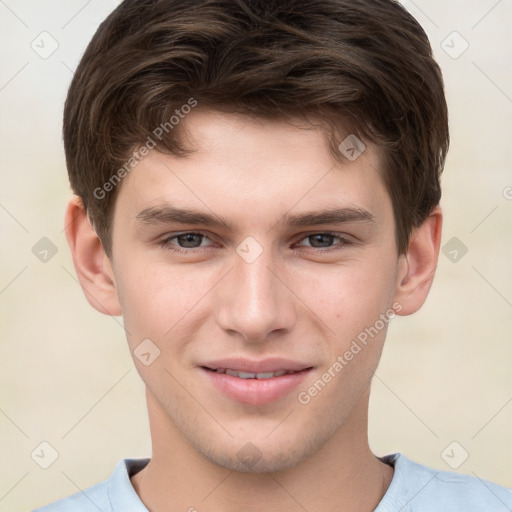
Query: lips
255, 382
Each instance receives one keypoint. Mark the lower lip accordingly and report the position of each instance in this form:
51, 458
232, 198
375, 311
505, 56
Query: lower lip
256, 391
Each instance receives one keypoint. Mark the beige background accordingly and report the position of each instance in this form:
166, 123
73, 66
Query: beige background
66, 375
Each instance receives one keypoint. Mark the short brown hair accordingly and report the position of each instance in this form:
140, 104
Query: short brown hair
367, 62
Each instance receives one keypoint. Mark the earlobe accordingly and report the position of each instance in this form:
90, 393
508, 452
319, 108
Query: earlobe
91, 263
417, 267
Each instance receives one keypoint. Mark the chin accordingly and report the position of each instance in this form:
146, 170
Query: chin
263, 455
250, 459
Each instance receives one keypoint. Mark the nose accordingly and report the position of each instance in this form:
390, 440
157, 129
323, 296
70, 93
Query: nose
253, 302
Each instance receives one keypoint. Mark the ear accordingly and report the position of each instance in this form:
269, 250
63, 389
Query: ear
417, 267
91, 262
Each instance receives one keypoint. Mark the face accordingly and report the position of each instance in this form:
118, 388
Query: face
257, 254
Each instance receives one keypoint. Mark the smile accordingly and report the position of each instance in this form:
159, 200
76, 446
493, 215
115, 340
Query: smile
251, 375
255, 383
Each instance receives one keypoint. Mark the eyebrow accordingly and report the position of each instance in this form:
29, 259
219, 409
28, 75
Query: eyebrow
170, 214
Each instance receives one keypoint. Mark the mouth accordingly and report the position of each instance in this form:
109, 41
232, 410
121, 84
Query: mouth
255, 382
251, 375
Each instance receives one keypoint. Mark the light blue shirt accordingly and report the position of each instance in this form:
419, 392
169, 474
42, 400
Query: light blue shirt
414, 488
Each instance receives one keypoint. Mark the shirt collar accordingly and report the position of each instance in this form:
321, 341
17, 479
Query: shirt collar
121, 493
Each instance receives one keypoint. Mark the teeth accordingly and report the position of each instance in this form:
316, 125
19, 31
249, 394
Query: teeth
250, 375
267, 375
245, 375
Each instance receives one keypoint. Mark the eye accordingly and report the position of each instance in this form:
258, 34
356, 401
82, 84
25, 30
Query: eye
182, 241
325, 241
187, 242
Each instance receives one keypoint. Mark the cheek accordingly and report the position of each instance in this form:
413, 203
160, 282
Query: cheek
159, 300
355, 304
352, 297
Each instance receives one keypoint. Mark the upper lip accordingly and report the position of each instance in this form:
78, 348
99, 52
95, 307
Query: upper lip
262, 366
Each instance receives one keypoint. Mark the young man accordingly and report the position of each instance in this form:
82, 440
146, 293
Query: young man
257, 194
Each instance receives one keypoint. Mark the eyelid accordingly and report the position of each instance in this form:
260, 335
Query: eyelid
306, 234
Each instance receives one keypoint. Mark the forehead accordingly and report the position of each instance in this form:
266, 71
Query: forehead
247, 167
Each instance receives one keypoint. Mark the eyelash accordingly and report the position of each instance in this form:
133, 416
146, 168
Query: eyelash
344, 242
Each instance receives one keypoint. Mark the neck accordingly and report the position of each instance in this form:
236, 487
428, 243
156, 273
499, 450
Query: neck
343, 472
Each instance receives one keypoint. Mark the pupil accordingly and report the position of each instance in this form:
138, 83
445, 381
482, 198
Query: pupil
189, 239
325, 240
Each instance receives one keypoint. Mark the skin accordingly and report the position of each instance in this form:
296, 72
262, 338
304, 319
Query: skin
301, 299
